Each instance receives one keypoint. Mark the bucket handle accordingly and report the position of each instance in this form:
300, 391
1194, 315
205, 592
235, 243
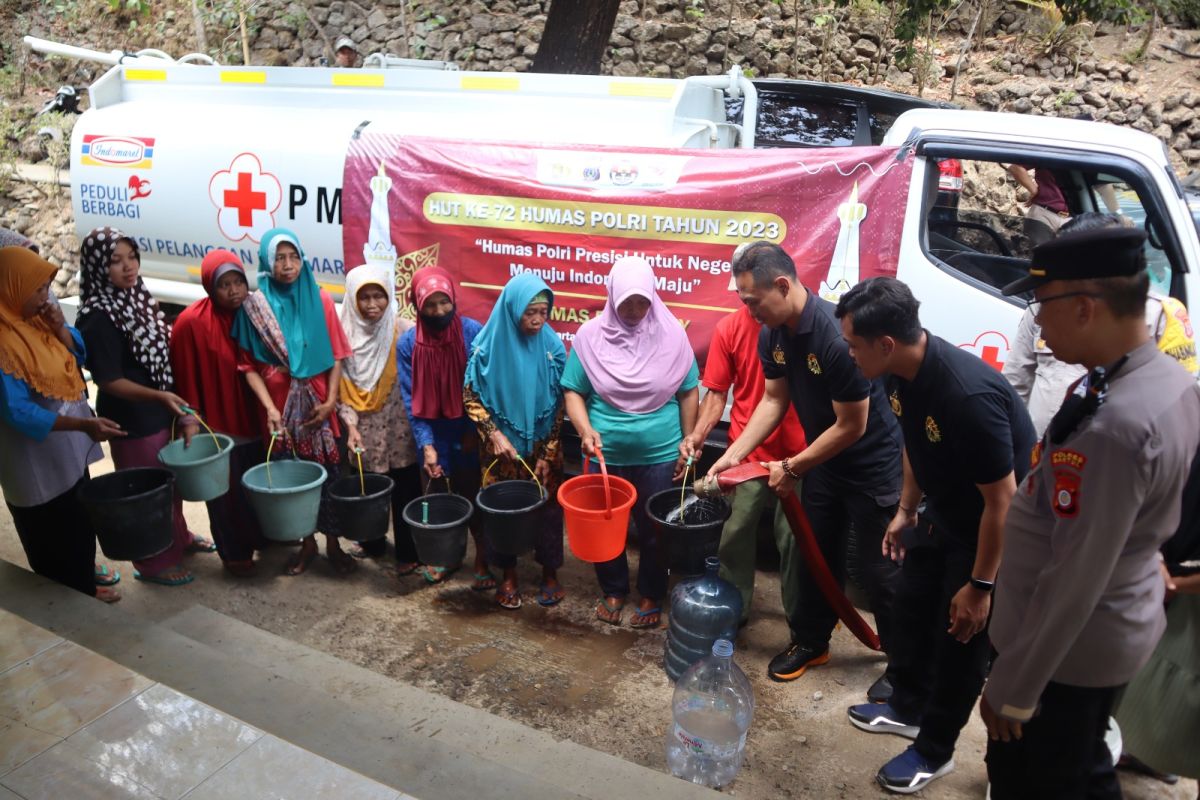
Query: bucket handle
275, 435
362, 481
683, 488
200, 419
608, 506
444, 476
532, 474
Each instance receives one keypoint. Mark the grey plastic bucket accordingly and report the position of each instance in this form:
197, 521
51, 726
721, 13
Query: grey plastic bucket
131, 511
441, 534
286, 499
362, 517
201, 470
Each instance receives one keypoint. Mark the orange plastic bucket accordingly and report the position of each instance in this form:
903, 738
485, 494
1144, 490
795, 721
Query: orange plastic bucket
596, 513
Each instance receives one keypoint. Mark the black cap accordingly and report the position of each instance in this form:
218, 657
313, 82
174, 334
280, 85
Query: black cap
1099, 253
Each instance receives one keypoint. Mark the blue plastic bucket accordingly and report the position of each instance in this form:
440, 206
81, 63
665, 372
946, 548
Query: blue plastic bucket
285, 496
201, 470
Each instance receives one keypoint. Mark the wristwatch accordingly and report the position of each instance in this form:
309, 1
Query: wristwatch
982, 585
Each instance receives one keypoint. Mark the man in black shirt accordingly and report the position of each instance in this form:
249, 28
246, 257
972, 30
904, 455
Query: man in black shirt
967, 440
851, 466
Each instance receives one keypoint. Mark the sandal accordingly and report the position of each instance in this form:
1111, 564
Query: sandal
103, 577
201, 545
162, 580
436, 575
508, 598
298, 563
404, 570
550, 597
483, 582
609, 613
106, 594
641, 618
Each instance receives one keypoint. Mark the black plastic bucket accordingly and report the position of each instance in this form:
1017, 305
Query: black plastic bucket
512, 515
131, 510
441, 534
362, 517
689, 540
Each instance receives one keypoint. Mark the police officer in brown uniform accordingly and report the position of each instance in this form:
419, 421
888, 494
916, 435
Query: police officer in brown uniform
1078, 602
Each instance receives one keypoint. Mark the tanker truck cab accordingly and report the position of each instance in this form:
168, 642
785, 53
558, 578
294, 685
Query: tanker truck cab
957, 262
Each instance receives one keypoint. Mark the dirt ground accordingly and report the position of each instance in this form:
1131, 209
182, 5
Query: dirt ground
560, 670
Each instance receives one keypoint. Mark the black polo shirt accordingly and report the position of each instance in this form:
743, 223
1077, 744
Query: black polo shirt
964, 425
816, 362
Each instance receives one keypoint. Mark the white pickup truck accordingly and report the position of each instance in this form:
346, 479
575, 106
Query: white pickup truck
189, 157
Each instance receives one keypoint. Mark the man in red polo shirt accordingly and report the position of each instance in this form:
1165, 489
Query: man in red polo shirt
733, 363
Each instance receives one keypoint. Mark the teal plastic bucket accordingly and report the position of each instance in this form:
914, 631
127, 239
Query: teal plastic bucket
202, 470
285, 500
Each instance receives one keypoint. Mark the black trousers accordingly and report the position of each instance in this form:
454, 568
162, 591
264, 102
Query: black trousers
1061, 754
935, 678
407, 488
848, 525
59, 540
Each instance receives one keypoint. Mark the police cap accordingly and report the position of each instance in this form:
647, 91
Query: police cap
1098, 253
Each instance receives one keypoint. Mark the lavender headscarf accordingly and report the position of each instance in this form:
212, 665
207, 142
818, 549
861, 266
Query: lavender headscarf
13, 239
634, 369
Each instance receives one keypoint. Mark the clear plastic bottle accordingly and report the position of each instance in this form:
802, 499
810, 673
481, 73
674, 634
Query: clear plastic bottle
713, 707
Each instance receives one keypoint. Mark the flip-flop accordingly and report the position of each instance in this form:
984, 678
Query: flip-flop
436, 575
611, 610
299, 563
106, 594
161, 581
201, 545
484, 582
103, 577
639, 617
403, 570
509, 599
548, 597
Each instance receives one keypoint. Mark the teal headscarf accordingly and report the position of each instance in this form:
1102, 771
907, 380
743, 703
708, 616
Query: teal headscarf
515, 375
297, 308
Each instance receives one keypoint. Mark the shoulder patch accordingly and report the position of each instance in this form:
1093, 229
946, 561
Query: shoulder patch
894, 399
1035, 456
932, 431
778, 356
1066, 493
814, 366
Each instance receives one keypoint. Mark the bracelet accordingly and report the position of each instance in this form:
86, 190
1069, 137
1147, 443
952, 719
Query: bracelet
794, 476
907, 510
982, 585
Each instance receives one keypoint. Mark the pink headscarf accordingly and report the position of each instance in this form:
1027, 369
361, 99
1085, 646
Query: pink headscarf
634, 369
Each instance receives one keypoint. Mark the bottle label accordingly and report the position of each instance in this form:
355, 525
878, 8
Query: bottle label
705, 748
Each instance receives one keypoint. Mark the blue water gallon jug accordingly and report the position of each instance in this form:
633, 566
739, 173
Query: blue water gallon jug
703, 610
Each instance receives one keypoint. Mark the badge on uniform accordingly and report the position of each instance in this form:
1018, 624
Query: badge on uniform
814, 366
1068, 468
894, 399
932, 431
777, 355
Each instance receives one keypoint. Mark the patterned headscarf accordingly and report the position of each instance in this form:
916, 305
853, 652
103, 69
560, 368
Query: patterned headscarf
133, 311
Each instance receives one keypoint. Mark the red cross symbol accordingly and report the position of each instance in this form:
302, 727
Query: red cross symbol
245, 200
991, 356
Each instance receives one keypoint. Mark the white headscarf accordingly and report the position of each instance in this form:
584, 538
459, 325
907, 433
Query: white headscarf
371, 343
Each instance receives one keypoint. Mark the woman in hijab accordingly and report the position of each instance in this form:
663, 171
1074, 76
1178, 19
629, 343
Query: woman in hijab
292, 347
371, 405
631, 389
48, 434
128, 354
204, 360
432, 360
512, 394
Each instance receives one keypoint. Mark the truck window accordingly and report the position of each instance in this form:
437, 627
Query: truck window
989, 237
786, 121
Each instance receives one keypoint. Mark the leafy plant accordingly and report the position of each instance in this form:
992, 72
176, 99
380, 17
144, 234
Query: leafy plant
695, 9
133, 6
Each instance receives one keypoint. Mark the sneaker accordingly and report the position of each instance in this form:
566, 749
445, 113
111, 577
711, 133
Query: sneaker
881, 690
911, 772
795, 661
881, 718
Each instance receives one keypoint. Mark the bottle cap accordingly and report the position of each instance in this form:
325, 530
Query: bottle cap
722, 648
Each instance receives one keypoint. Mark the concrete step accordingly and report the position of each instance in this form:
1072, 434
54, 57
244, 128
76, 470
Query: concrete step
415, 741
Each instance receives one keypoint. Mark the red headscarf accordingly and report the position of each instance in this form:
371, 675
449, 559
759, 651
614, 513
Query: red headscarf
440, 357
204, 356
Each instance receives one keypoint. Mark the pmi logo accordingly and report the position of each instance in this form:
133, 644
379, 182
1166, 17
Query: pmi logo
131, 152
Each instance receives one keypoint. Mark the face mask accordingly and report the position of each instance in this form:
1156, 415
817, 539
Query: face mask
438, 323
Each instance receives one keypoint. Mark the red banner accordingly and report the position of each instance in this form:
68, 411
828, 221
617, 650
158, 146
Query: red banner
489, 211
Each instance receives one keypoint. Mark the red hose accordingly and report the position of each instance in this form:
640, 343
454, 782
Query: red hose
802, 530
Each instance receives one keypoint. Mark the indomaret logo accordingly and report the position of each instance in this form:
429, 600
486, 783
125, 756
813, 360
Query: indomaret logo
131, 152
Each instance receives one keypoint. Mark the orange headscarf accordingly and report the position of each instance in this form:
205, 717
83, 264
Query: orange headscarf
29, 350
